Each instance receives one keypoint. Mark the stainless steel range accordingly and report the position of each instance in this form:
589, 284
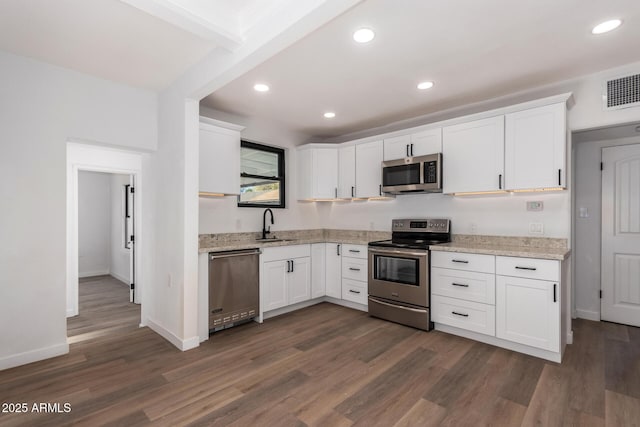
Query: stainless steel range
399, 271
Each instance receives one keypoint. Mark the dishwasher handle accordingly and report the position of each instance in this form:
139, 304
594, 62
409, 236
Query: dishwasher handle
229, 254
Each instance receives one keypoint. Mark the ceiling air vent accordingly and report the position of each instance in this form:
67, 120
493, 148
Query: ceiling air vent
622, 92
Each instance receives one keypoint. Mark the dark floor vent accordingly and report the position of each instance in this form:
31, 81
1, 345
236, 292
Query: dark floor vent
622, 92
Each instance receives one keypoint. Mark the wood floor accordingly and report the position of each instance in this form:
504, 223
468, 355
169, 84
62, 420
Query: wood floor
331, 366
104, 308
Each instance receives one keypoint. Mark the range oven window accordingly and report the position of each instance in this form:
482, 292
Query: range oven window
397, 269
401, 175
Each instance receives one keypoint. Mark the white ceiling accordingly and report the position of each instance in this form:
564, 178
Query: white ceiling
143, 43
472, 50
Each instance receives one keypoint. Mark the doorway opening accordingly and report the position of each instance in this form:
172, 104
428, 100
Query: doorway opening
598, 288
105, 286
106, 261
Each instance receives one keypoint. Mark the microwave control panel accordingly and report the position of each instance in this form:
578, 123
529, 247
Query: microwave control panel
431, 172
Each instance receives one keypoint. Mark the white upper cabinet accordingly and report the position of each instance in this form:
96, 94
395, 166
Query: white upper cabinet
397, 147
412, 145
219, 157
535, 147
473, 156
426, 142
317, 173
369, 169
346, 172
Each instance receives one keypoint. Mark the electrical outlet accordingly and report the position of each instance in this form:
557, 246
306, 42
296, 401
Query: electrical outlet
536, 228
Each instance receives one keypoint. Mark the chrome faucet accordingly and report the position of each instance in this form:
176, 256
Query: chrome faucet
266, 230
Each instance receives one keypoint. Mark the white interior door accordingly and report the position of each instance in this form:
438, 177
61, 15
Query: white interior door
621, 234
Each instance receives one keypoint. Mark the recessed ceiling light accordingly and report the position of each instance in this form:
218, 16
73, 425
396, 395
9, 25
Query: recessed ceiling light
425, 85
364, 35
261, 87
606, 26
329, 115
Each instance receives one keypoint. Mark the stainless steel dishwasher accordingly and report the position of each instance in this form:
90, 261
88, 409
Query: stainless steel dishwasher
234, 293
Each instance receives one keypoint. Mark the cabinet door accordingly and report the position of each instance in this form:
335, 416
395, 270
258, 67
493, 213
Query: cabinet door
219, 163
299, 280
346, 172
397, 147
535, 147
528, 312
318, 269
274, 288
324, 174
426, 142
473, 156
369, 169
334, 270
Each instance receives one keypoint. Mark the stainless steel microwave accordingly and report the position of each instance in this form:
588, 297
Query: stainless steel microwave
421, 174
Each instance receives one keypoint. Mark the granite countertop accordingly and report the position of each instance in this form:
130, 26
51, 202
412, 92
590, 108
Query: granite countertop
526, 247
235, 241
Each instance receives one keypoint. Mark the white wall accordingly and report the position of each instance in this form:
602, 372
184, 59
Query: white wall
94, 223
489, 214
222, 215
41, 107
118, 255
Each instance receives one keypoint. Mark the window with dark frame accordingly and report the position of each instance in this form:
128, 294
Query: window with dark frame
262, 180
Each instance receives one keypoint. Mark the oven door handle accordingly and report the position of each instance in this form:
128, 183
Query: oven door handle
397, 251
417, 310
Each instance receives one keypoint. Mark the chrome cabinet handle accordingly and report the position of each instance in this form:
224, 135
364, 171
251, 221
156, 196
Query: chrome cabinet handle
338, 250
354, 269
354, 292
459, 314
460, 261
463, 285
355, 251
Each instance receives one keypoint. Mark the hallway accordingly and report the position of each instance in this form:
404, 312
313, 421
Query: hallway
104, 309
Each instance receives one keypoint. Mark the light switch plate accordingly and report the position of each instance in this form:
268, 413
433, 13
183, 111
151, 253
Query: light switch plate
535, 206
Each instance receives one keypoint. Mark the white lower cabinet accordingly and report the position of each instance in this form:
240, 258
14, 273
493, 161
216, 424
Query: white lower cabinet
509, 301
286, 276
318, 270
354, 273
333, 270
528, 312
472, 316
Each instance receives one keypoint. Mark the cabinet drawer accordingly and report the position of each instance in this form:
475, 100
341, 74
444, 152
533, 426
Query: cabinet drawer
354, 291
532, 268
354, 269
285, 252
464, 261
472, 316
354, 251
466, 285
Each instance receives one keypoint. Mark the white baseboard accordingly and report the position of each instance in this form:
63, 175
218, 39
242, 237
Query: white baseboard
121, 278
84, 274
289, 308
570, 337
33, 356
71, 312
588, 314
183, 345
